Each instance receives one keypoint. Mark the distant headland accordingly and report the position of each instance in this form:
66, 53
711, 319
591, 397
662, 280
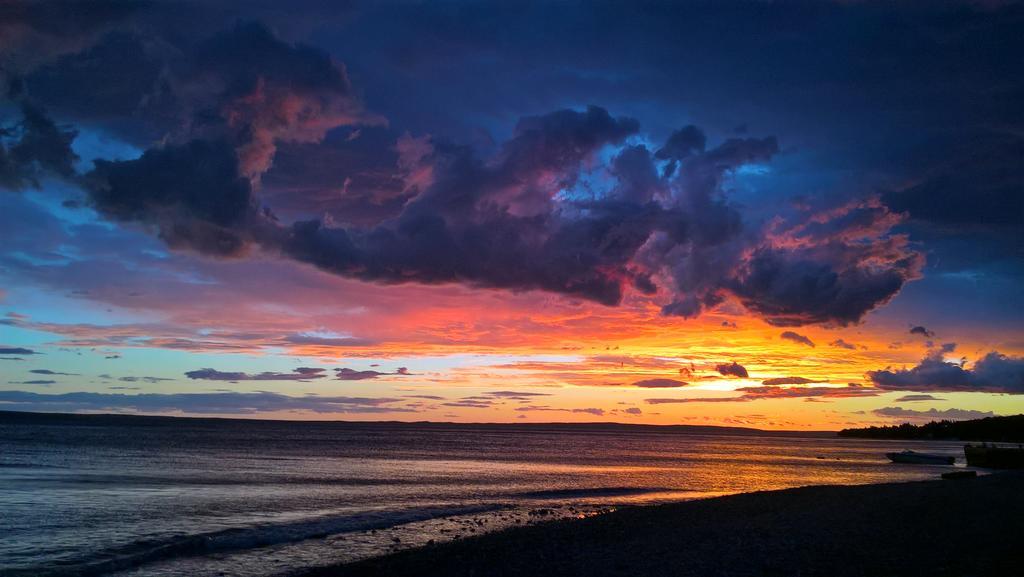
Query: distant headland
1008, 429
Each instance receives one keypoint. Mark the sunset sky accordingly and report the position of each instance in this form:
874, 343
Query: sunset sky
785, 215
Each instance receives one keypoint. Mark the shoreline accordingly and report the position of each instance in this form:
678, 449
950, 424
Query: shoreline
157, 420
941, 527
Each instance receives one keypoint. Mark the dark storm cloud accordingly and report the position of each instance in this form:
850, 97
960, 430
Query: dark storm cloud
300, 374
244, 85
797, 338
497, 224
192, 195
494, 222
969, 206
265, 91
993, 373
34, 147
732, 369
35, 32
113, 78
522, 215
358, 176
660, 383
501, 223
959, 148
681, 144
832, 268
199, 403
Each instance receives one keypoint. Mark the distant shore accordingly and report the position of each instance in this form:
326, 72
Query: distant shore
969, 527
101, 419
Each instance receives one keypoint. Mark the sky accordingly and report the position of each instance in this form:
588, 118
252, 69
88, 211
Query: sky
783, 215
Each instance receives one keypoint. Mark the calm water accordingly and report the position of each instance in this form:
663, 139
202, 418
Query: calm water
201, 497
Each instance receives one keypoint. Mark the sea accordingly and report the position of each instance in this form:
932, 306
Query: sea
155, 496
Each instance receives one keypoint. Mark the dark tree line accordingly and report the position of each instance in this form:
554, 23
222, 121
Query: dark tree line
1005, 429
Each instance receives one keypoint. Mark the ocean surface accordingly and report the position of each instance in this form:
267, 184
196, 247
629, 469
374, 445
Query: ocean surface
166, 497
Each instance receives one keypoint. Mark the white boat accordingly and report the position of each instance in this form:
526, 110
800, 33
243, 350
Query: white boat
916, 458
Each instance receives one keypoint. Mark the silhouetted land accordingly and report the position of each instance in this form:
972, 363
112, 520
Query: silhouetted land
960, 528
101, 420
1003, 429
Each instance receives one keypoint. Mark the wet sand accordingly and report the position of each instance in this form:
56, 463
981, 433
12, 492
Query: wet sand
966, 527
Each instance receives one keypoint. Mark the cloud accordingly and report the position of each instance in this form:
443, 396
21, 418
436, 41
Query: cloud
37, 32
346, 374
34, 148
469, 404
35, 382
151, 380
478, 219
788, 381
192, 195
244, 85
797, 338
543, 408
932, 414
195, 403
774, 392
300, 374
919, 330
667, 401
841, 344
515, 395
327, 341
832, 268
49, 372
993, 373
682, 143
237, 95
733, 369
967, 204
656, 32
267, 91
17, 351
915, 398
490, 398
659, 383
